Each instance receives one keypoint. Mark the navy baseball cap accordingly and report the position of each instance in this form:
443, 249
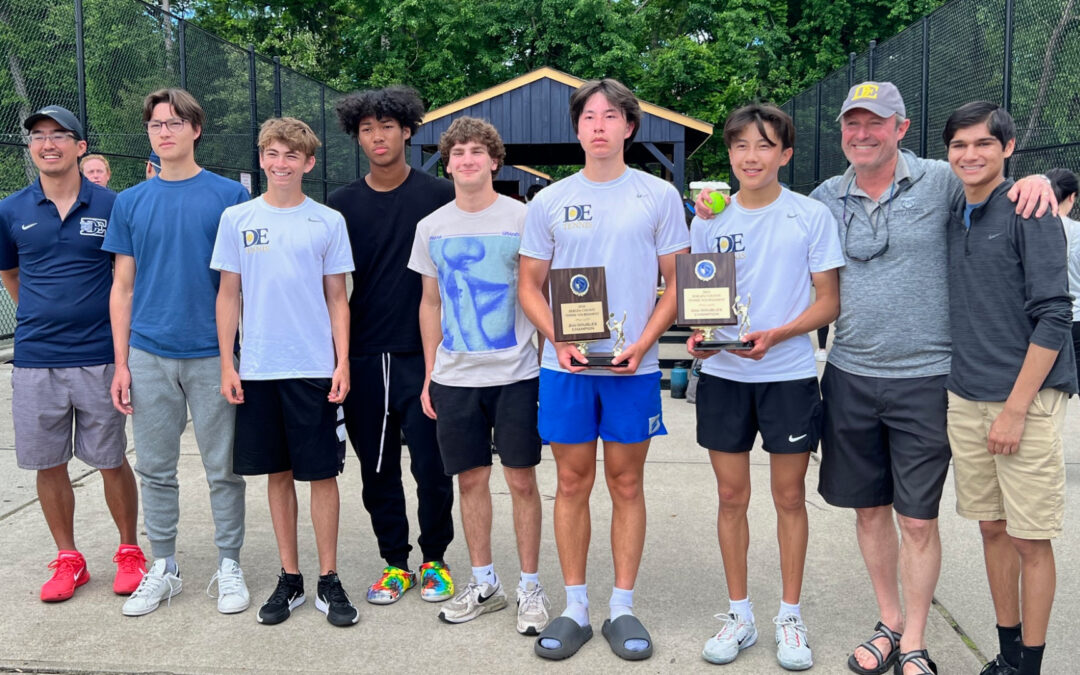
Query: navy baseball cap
61, 116
154, 160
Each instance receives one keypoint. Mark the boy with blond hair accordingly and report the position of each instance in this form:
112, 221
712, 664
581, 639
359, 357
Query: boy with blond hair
290, 254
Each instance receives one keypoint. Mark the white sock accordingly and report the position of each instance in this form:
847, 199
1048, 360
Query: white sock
621, 603
789, 610
485, 574
528, 578
577, 604
743, 608
577, 608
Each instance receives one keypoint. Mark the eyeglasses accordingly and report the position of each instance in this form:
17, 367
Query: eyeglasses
56, 137
174, 125
875, 219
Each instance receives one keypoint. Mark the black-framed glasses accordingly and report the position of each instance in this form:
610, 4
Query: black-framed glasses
874, 220
56, 137
174, 125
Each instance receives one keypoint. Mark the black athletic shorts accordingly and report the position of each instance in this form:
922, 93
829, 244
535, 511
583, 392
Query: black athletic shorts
289, 424
884, 442
730, 414
474, 422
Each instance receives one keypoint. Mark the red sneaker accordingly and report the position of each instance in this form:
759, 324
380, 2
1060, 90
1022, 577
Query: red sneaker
70, 573
130, 568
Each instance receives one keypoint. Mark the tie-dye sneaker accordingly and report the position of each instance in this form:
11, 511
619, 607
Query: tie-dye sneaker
391, 586
436, 584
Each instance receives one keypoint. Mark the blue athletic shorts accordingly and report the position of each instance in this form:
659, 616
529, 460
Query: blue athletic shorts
581, 408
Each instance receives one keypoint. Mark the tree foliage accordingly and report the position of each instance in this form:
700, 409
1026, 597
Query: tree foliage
699, 57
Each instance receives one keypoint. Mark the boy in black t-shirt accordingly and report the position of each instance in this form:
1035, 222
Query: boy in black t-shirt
386, 354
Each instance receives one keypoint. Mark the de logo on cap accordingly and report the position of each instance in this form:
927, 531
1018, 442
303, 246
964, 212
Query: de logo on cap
881, 98
865, 91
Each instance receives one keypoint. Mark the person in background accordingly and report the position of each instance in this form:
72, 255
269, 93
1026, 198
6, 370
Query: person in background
153, 165
1066, 187
96, 169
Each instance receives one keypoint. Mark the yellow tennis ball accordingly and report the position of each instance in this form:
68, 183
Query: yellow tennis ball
716, 201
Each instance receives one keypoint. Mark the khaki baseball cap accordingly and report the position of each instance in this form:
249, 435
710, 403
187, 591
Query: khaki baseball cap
881, 98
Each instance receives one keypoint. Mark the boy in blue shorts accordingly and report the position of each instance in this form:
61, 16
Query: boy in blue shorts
290, 254
631, 223
782, 242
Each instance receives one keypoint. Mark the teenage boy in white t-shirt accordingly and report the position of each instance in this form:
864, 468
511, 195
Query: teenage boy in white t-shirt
783, 242
630, 223
290, 255
482, 370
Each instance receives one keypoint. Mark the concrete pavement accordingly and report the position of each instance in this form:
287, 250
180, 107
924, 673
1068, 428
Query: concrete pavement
679, 589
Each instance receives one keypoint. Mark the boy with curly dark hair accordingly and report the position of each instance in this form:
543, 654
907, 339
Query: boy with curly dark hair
386, 354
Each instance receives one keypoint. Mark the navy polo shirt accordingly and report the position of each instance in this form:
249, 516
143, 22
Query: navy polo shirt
64, 277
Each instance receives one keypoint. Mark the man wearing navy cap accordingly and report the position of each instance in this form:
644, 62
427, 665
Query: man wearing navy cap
52, 264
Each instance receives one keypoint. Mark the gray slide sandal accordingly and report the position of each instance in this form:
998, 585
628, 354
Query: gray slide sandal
626, 627
570, 635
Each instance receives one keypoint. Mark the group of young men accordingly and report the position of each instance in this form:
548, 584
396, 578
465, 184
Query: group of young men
437, 344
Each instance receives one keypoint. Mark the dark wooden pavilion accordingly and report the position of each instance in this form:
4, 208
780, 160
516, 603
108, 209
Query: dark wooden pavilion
532, 114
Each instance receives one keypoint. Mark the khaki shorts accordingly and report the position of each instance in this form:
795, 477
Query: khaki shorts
1025, 489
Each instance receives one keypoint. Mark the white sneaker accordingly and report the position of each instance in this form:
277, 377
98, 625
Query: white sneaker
474, 600
532, 609
735, 635
792, 648
156, 585
232, 593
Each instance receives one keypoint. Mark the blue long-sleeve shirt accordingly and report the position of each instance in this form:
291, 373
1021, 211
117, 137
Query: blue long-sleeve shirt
1008, 288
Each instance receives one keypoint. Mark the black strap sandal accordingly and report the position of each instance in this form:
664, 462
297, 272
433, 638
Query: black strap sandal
920, 658
884, 663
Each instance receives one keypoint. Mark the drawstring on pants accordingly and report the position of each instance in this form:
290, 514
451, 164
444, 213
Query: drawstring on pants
385, 359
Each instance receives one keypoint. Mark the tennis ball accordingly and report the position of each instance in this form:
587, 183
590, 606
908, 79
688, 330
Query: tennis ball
716, 201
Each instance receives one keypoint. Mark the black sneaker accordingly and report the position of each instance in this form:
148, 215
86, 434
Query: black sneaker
288, 595
333, 601
999, 666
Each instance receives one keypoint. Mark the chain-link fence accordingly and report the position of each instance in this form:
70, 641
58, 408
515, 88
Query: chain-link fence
1022, 54
99, 59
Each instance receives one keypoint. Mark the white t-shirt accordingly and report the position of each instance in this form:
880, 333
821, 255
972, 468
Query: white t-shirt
621, 225
777, 248
487, 339
1072, 240
282, 256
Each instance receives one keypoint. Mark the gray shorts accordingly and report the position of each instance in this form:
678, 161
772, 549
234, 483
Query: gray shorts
45, 401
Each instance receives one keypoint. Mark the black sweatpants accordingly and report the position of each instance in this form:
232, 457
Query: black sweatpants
383, 494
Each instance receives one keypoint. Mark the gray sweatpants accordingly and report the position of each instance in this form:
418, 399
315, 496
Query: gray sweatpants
162, 390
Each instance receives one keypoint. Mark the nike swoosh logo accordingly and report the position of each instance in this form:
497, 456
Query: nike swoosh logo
482, 599
795, 439
995, 236
80, 572
27, 227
